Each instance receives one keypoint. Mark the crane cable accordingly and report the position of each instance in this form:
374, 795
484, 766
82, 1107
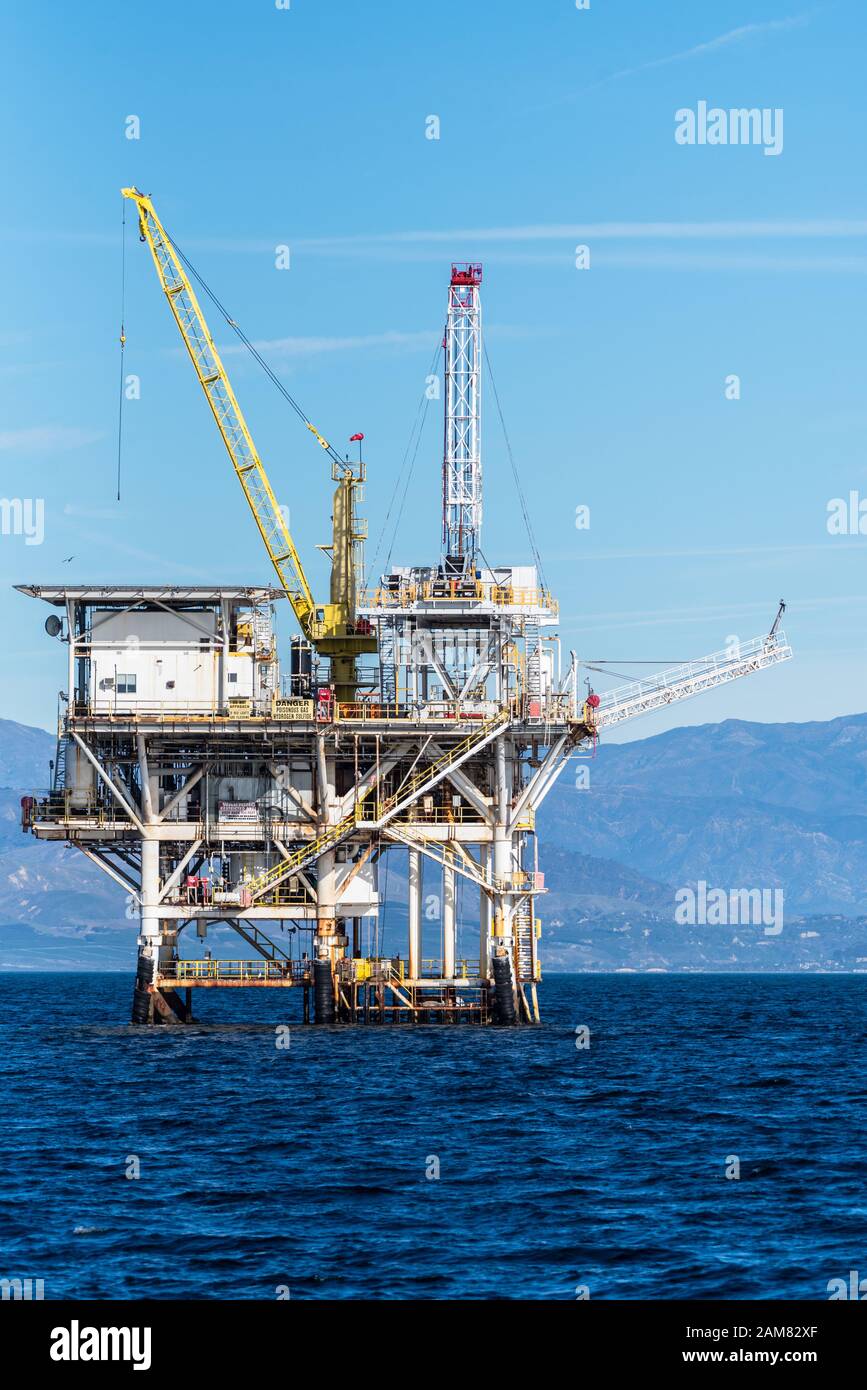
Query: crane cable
604, 668
417, 425
122, 341
522, 500
411, 470
254, 352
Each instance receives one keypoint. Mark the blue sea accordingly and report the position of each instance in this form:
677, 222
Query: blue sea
451, 1162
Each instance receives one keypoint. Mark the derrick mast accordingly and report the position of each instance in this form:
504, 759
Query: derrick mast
462, 453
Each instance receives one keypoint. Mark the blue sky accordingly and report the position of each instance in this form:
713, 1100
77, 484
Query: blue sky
306, 127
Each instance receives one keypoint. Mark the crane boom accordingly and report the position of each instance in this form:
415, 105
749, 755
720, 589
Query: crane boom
680, 682
228, 414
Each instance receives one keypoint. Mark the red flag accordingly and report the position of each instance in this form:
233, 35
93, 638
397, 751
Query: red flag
353, 437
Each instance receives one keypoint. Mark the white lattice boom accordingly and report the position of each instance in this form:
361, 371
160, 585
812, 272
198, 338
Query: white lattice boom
680, 682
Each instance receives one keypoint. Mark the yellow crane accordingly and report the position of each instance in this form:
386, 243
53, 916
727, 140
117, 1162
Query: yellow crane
331, 627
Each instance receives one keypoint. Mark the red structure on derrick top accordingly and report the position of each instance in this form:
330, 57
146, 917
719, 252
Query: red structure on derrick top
465, 273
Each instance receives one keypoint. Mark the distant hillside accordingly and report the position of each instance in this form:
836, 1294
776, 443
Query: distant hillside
739, 805
24, 755
643, 941
54, 903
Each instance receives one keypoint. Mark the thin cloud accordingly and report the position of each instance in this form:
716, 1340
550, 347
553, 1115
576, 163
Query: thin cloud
22, 368
306, 347
54, 437
369, 242
699, 50
170, 566
800, 265
680, 260
712, 612
817, 228
95, 513
829, 546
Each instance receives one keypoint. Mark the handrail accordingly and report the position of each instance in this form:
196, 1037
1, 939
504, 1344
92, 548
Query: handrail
461, 711
432, 772
329, 838
185, 970
459, 591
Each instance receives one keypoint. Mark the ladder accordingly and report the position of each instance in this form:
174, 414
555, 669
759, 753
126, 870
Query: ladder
329, 839
262, 634
59, 782
410, 790
260, 942
534, 660
388, 661
424, 781
524, 936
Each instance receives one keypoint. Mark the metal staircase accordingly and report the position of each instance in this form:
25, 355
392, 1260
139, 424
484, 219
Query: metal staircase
409, 790
428, 777
440, 853
260, 942
329, 839
263, 636
388, 661
524, 936
59, 780
534, 659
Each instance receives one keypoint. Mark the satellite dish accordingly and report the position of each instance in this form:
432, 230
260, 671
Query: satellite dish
53, 625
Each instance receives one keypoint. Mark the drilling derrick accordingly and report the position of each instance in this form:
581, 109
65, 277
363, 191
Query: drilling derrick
462, 458
214, 792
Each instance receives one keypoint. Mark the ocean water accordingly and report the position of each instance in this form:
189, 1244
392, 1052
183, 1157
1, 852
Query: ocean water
306, 1168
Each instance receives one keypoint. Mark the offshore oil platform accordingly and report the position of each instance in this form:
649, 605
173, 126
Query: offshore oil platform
429, 714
